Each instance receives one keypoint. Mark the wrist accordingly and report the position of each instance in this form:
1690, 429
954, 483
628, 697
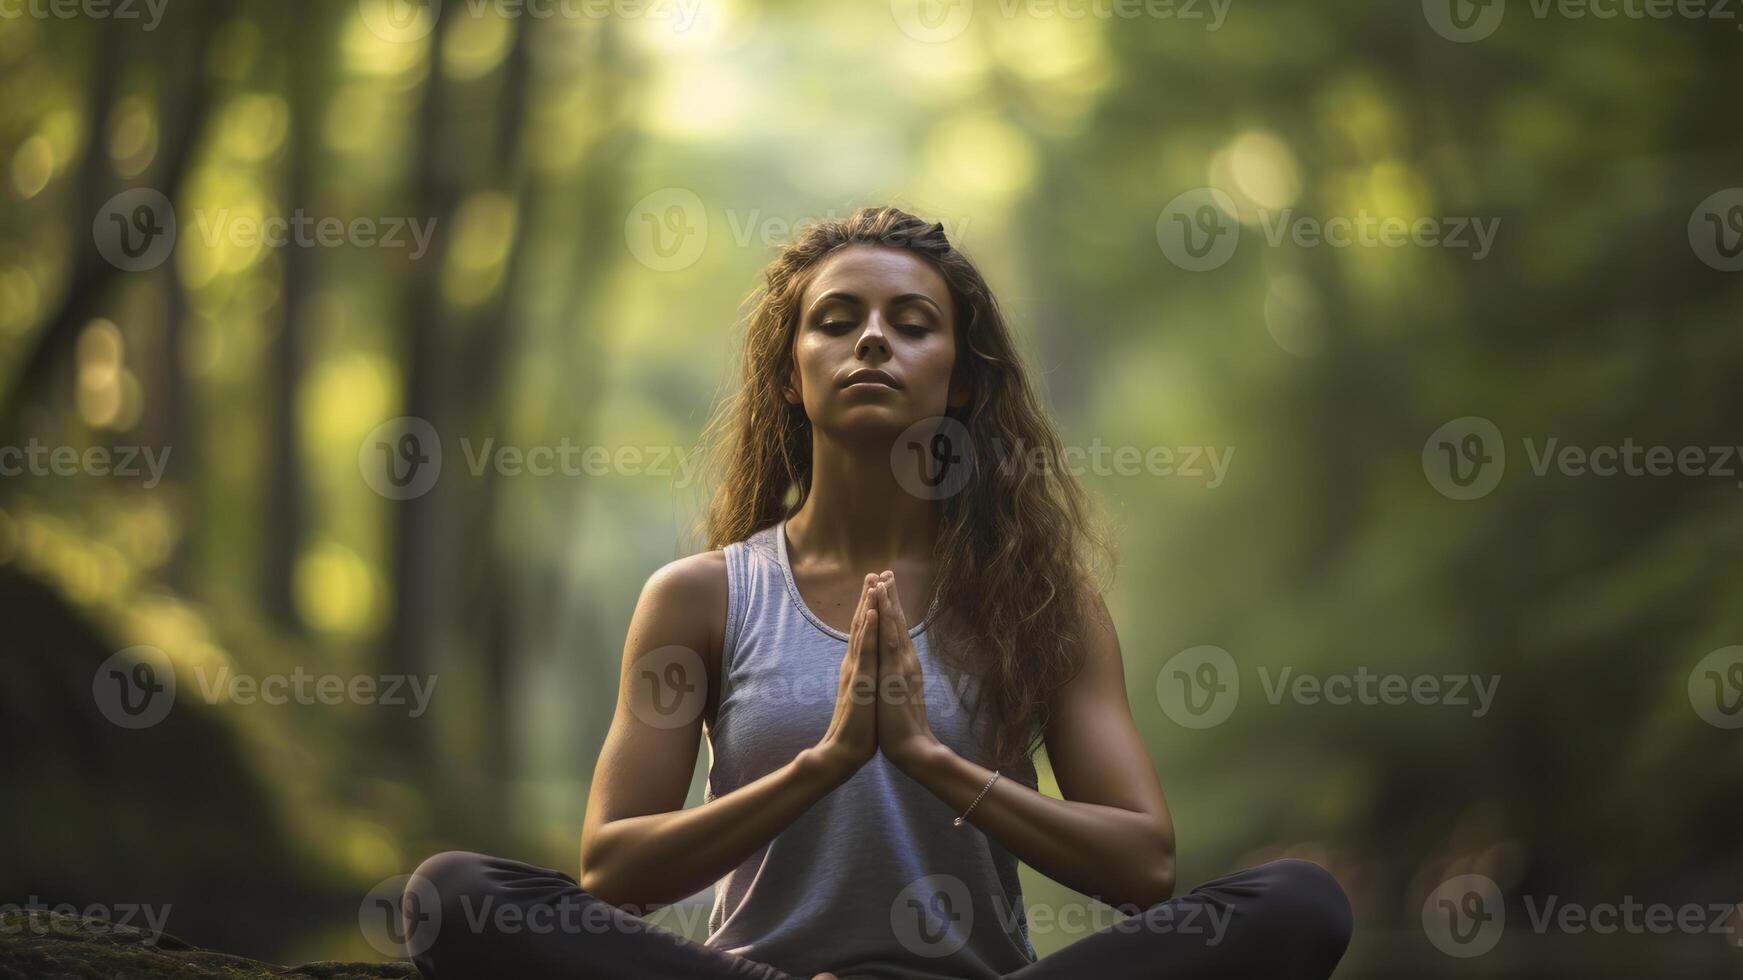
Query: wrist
918, 755
825, 762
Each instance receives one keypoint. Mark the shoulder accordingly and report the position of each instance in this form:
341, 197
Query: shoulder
692, 586
683, 604
693, 576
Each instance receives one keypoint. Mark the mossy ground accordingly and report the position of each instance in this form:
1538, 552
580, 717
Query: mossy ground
41, 944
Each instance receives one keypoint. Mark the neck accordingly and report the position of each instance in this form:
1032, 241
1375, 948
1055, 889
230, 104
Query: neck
857, 513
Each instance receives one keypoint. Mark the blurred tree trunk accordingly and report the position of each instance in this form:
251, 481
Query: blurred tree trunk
91, 283
551, 595
284, 489
418, 537
494, 336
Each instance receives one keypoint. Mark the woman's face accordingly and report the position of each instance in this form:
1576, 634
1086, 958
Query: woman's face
873, 308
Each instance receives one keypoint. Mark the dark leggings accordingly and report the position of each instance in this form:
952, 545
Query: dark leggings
501, 918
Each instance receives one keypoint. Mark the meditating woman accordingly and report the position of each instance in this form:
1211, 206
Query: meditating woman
903, 603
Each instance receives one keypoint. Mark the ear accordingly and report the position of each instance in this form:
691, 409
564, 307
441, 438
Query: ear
793, 389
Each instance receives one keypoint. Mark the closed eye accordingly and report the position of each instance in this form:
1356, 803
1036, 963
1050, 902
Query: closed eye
914, 329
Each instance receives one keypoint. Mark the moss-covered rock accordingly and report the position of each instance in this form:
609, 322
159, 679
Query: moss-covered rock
42, 944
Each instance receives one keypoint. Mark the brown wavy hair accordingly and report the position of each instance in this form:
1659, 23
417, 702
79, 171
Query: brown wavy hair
1018, 559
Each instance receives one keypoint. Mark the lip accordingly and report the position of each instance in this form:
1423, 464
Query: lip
871, 377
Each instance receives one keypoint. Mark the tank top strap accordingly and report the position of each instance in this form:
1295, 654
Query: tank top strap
737, 577
749, 565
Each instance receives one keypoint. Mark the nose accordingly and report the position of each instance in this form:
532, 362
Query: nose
872, 340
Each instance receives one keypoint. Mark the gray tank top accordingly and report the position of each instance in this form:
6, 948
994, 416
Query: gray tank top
872, 881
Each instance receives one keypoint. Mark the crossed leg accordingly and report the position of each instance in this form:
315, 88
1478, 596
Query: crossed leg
474, 915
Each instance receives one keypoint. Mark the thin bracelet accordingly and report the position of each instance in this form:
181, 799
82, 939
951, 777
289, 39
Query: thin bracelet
989, 785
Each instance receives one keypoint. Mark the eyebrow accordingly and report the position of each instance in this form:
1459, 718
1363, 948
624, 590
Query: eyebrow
842, 294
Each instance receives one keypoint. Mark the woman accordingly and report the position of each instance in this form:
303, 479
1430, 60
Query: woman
871, 789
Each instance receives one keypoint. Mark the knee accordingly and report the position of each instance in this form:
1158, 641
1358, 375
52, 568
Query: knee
438, 895
451, 875
1309, 906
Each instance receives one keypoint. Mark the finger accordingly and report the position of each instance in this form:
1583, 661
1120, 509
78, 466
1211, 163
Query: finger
886, 616
894, 610
857, 629
869, 661
864, 600
901, 617
865, 662
852, 660
867, 640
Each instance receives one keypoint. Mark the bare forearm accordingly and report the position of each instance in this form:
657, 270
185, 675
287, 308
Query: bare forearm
1120, 856
660, 858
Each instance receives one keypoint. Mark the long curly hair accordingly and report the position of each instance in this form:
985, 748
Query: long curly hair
1019, 558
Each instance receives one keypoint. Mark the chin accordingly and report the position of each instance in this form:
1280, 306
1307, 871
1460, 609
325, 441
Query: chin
871, 421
